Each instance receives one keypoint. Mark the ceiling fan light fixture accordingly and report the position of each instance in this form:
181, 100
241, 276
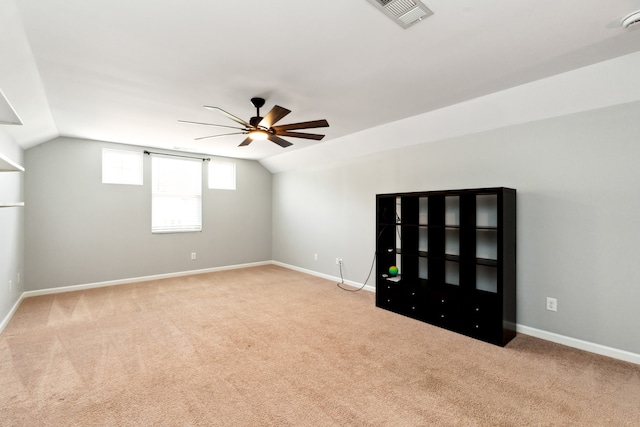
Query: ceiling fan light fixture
258, 134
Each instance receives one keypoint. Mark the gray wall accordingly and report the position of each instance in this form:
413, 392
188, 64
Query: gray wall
80, 231
578, 206
11, 228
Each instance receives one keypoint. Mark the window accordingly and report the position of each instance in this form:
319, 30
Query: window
121, 167
176, 195
222, 175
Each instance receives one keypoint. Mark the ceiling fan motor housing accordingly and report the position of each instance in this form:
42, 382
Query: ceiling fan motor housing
253, 121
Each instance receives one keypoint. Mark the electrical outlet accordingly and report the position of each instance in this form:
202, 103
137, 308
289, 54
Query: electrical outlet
193, 255
18, 281
552, 304
315, 257
339, 261
10, 286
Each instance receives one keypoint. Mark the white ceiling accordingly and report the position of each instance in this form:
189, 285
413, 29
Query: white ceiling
126, 71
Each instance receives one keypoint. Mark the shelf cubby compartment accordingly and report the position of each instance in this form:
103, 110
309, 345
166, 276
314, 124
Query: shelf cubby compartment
423, 210
452, 241
452, 273
487, 210
452, 210
487, 243
423, 268
423, 239
486, 278
386, 210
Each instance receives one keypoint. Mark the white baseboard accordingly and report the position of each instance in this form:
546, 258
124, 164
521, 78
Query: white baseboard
614, 353
369, 288
7, 318
138, 279
538, 333
59, 290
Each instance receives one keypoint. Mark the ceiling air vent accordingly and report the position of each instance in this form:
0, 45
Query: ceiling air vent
404, 12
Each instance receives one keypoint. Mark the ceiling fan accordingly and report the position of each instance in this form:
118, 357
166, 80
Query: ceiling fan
260, 128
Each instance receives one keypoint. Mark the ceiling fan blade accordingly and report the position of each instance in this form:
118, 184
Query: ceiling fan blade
224, 134
229, 115
281, 142
302, 125
273, 116
246, 142
315, 136
210, 124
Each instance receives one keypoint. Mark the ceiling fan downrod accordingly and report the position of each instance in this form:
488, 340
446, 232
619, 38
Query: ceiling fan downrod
258, 103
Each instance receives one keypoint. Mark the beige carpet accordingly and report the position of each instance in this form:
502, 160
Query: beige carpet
268, 346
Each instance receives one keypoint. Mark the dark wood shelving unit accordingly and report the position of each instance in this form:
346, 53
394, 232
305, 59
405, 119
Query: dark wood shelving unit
456, 255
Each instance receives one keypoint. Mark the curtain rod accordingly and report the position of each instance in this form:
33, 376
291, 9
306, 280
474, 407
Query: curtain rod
204, 159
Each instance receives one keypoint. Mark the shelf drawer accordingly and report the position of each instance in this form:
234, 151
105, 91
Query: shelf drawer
388, 295
415, 302
482, 318
387, 287
405, 299
444, 309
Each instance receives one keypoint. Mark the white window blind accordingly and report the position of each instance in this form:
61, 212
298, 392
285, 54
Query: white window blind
176, 195
222, 175
121, 167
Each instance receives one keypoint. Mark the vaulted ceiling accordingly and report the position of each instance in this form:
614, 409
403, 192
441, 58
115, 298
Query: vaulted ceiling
127, 71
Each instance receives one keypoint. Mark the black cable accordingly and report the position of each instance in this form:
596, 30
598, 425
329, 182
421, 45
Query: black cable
375, 255
365, 282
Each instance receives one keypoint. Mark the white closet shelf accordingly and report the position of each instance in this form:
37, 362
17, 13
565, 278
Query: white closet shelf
6, 165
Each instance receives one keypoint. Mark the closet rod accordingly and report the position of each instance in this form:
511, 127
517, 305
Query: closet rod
204, 159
